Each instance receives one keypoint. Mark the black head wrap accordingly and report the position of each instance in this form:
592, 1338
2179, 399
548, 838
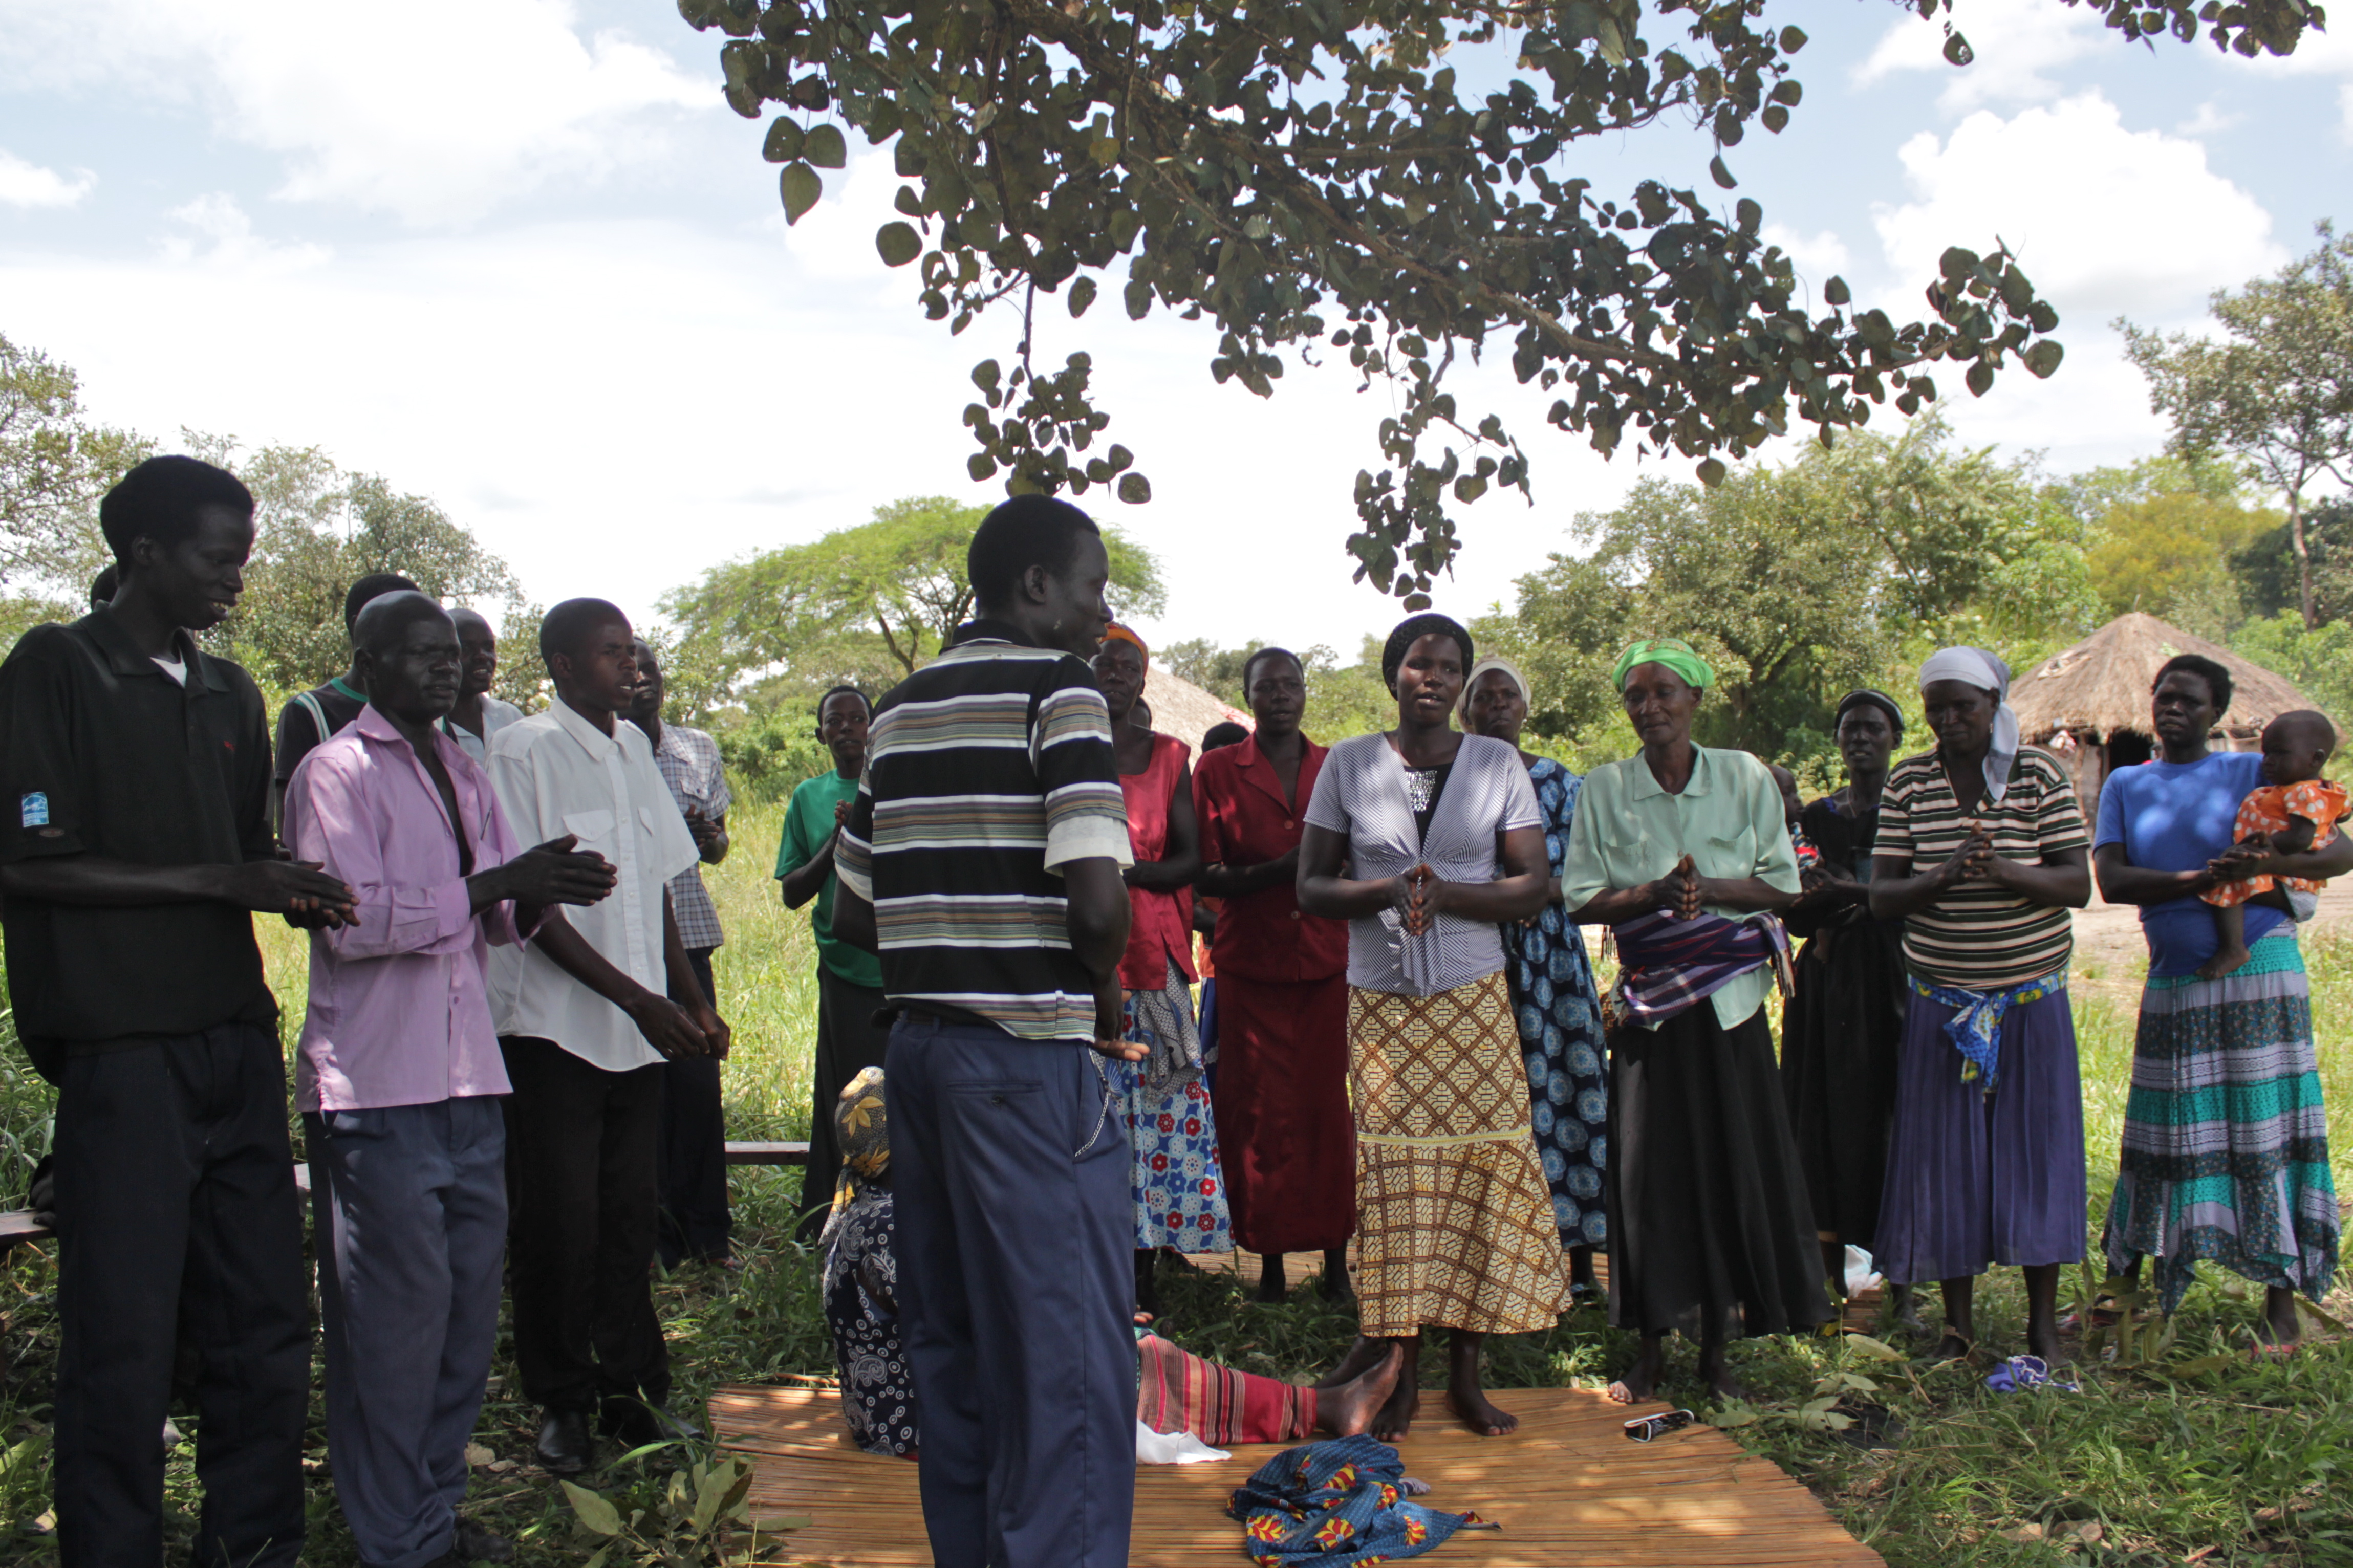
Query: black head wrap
1411, 630
1867, 698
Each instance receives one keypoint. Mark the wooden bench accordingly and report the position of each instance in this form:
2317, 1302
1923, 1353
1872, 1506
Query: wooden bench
18, 1225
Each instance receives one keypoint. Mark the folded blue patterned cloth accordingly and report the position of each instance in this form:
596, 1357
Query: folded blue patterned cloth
1338, 1502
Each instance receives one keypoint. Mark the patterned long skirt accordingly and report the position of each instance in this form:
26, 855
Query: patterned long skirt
1454, 1223
1558, 1013
2226, 1140
1180, 1186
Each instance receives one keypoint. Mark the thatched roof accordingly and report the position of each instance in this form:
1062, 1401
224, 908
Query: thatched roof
2102, 684
1182, 710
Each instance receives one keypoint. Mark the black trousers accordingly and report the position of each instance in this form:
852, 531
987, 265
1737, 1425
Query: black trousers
849, 1041
178, 1219
581, 1200
694, 1218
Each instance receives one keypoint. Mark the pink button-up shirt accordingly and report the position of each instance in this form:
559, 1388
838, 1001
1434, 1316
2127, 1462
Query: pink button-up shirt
399, 1013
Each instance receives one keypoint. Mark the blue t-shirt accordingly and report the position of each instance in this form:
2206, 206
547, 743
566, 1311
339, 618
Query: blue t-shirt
2176, 817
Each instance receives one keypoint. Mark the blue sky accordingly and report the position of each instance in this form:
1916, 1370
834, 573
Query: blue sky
517, 255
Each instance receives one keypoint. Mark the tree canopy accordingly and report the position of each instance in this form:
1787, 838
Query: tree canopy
865, 604
1317, 180
2276, 394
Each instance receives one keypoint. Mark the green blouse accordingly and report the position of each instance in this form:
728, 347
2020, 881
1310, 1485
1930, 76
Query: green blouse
1729, 818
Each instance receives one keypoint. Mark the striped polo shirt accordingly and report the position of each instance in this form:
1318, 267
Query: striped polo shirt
985, 770
1979, 936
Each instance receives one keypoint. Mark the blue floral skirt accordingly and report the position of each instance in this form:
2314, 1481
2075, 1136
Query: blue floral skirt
1180, 1187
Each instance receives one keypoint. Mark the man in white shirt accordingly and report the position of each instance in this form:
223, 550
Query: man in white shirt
585, 1019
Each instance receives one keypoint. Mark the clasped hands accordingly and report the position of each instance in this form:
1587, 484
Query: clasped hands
1422, 896
1678, 893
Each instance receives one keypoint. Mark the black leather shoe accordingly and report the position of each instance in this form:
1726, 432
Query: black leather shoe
475, 1544
634, 1423
564, 1446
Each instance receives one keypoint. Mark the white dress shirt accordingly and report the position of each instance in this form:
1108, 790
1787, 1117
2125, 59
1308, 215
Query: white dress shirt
555, 773
497, 714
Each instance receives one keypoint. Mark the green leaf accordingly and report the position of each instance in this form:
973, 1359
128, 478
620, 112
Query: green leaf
1719, 174
1083, 294
825, 147
1134, 489
784, 141
1776, 118
2044, 358
1711, 473
1980, 378
1877, 1350
1792, 40
1835, 291
1138, 299
1958, 50
593, 1512
596, 1559
801, 185
898, 243
1957, 263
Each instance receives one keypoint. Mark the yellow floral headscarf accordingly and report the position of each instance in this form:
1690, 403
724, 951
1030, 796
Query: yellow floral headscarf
861, 1126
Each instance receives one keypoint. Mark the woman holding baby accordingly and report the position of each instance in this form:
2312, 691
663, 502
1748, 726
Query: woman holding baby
2226, 1140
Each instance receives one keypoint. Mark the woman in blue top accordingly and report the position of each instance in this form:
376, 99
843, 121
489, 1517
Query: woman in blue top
2226, 1140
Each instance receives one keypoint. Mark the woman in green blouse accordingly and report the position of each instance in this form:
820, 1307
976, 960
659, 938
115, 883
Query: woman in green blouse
1684, 852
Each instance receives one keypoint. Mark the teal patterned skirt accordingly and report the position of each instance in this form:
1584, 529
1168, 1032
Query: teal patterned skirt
2226, 1140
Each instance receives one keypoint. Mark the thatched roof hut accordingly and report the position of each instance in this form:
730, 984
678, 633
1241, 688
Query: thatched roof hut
2102, 684
1182, 710
2090, 703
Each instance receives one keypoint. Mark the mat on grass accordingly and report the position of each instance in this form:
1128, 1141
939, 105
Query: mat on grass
1567, 1487
1862, 1315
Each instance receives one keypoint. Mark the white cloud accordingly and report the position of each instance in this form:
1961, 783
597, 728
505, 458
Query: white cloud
2016, 44
2104, 220
218, 217
436, 109
2207, 121
24, 184
1816, 256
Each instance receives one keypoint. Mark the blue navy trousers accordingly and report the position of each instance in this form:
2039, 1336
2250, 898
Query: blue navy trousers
409, 1207
1009, 1169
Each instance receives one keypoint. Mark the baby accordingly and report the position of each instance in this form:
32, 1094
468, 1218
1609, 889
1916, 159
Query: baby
1792, 809
2295, 809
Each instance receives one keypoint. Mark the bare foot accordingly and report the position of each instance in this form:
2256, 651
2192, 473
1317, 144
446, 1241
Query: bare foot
1273, 1284
1362, 1357
1350, 1409
1952, 1347
1640, 1381
2279, 1332
1716, 1372
1479, 1412
2226, 960
1336, 1287
1397, 1414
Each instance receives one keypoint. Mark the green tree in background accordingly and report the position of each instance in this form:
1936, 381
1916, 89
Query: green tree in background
865, 605
2276, 392
1801, 581
55, 465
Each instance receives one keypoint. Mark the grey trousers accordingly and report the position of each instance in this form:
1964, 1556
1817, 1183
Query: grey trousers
410, 1206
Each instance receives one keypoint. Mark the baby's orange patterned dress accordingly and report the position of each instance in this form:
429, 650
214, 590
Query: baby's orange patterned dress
2270, 809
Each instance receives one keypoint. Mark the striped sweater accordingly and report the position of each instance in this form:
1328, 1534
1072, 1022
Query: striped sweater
1981, 937
986, 771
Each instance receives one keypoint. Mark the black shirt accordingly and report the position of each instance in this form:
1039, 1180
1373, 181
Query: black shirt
102, 752
297, 723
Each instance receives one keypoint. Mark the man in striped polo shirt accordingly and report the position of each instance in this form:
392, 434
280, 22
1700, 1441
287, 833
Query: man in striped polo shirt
982, 858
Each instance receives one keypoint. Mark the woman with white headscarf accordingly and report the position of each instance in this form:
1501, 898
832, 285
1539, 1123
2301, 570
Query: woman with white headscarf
1981, 852
1555, 1003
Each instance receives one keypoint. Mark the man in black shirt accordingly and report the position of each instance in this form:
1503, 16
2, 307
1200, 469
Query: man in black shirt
135, 844
309, 717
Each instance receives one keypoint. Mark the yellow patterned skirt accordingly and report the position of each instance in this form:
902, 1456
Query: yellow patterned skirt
1454, 1222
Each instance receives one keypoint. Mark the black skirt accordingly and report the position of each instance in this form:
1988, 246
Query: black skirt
1709, 1221
1839, 1040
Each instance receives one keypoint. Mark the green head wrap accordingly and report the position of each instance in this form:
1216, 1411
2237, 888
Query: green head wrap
1672, 652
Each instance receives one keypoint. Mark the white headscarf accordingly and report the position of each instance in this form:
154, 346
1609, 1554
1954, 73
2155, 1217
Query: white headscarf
1462, 708
1987, 672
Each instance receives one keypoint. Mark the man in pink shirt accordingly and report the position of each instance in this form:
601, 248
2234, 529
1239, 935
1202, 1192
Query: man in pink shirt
399, 1082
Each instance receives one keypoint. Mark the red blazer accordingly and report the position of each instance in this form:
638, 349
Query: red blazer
1245, 821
